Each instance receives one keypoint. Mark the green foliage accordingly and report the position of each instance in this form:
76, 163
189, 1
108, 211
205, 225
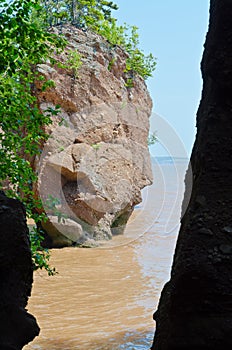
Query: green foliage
40, 255
82, 13
112, 32
96, 146
48, 84
52, 205
23, 45
111, 63
74, 62
137, 61
129, 83
96, 15
152, 139
128, 37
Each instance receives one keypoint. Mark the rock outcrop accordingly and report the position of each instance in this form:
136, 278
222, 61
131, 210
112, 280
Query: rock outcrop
17, 326
195, 309
96, 160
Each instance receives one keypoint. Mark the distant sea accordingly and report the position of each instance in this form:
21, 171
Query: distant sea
169, 160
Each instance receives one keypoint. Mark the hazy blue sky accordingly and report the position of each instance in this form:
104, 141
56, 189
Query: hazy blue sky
174, 31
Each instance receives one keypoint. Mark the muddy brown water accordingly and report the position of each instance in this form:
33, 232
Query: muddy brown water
104, 298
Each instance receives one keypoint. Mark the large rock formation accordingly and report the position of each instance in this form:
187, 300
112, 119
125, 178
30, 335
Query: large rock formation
195, 309
96, 160
17, 326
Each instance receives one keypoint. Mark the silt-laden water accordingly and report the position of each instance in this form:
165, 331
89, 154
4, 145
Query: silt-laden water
104, 298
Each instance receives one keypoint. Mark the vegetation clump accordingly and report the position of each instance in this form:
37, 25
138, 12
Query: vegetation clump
97, 15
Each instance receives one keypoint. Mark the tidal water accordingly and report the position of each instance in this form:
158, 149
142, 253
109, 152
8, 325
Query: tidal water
104, 298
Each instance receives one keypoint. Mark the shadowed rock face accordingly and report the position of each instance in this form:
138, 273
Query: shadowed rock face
17, 326
96, 160
195, 309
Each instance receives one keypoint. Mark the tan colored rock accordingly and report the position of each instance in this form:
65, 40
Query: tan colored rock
96, 160
63, 232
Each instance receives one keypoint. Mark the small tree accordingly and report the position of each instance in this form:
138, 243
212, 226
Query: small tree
82, 13
97, 15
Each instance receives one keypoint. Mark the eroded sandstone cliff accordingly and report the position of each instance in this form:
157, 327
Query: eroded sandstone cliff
96, 160
195, 309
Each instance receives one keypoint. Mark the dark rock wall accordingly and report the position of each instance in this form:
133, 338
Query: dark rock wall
195, 309
17, 326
